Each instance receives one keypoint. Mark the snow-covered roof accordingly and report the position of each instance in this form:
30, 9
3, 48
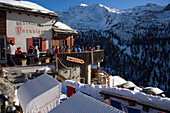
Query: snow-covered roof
61, 27
39, 94
26, 4
117, 81
153, 90
81, 103
129, 84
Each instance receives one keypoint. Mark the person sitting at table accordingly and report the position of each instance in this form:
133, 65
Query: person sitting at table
57, 50
78, 49
31, 50
74, 49
67, 50
82, 49
85, 49
36, 53
62, 49
18, 53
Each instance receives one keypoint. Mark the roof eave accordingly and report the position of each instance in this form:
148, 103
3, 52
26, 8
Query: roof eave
53, 15
65, 31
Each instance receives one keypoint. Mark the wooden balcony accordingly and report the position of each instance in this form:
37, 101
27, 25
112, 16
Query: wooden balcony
89, 57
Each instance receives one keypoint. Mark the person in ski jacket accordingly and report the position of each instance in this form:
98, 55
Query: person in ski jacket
36, 53
78, 49
11, 52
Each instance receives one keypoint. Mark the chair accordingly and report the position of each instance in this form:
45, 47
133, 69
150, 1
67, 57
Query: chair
132, 110
70, 91
117, 105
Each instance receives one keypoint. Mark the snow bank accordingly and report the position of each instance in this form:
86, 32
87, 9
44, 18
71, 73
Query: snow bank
94, 90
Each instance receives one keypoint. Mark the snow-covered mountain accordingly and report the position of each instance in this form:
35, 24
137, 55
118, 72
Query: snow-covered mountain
136, 40
122, 22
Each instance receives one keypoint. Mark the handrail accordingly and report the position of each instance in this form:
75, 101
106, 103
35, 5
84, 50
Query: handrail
143, 103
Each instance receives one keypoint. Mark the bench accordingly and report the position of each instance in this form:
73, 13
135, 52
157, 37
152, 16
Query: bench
20, 61
44, 59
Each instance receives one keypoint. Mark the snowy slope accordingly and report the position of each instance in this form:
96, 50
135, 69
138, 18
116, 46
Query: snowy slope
136, 40
121, 22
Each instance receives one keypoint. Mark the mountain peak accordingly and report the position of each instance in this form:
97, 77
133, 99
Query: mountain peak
83, 5
113, 10
167, 8
151, 4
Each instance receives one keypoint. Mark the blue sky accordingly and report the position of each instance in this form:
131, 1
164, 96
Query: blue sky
61, 5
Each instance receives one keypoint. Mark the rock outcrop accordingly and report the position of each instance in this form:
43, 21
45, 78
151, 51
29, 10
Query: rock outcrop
7, 88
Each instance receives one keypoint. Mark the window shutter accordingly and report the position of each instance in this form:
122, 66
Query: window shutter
29, 43
11, 38
43, 44
68, 42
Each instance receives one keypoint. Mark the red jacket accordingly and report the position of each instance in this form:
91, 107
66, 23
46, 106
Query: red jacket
18, 51
56, 51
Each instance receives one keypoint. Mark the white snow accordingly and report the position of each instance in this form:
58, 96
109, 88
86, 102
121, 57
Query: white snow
16, 101
27, 4
121, 22
94, 90
83, 5
155, 90
63, 26
129, 84
110, 9
116, 81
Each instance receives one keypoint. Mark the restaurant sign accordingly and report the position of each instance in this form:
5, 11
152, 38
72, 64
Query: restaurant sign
76, 60
20, 28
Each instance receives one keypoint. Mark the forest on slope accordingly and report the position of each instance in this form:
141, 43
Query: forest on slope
145, 61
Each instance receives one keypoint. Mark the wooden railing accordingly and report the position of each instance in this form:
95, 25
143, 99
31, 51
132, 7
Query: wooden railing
89, 57
134, 101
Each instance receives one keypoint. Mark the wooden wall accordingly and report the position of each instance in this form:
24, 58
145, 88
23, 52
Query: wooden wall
56, 41
2, 24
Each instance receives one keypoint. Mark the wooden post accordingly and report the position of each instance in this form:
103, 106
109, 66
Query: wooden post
20, 108
86, 73
24, 62
70, 74
1, 72
92, 59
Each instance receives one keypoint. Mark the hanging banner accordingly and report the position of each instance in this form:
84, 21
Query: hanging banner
72, 59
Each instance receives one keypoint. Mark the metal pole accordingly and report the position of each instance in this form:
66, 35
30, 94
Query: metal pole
56, 60
70, 74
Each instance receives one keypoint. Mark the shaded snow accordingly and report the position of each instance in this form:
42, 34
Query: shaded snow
94, 90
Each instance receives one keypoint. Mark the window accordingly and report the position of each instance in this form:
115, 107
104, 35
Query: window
37, 42
2, 50
40, 42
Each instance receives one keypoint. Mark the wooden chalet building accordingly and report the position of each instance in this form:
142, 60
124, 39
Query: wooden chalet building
29, 24
63, 35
